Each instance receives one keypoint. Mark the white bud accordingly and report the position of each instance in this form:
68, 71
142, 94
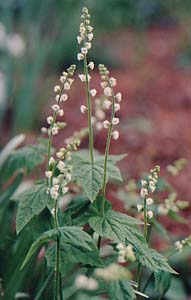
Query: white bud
61, 112
100, 114
118, 96
115, 134
43, 130
93, 92
82, 77
79, 39
51, 161
99, 126
64, 98
90, 36
112, 81
115, 121
149, 201
88, 45
55, 107
143, 183
84, 50
80, 56
117, 107
108, 91
55, 130
104, 84
65, 190
144, 192
150, 214
83, 109
91, 65
57, 89
67, 86
107, 104
139, 207
48, 174
106, 124
61, 166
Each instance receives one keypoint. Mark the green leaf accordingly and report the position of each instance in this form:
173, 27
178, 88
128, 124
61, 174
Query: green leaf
120, 290
43, 238
117, 227
76, 246
26, 158
90, 177
160, 229
162, 283
31, 203
152, 259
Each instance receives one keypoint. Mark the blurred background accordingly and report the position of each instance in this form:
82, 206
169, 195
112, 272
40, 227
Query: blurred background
146, 44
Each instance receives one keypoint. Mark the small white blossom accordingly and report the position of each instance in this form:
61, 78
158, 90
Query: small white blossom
107, 104
150, 214
118, 96
55, 181
62, 79
178, 245
57, 89
64, 98
65, 190
115, 134
106, 124
84, 50
61, 112
67, 86
55, 107
139, 207
43, 130
90, 36
117, 106
51, 161
93, 92
104, 84
143, 183
88, 45
83, 109
112, 81
80, 56
91, 65
99, 126
115, 121
100, 114
82, 77
61, 166
149, 201
152, 186
55, 130
79, 39
48, 174
54, 192
108, 91
144, 192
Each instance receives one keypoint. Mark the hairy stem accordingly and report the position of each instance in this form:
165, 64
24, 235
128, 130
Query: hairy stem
89, 110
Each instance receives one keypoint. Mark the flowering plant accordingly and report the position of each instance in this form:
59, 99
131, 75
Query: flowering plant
76, 238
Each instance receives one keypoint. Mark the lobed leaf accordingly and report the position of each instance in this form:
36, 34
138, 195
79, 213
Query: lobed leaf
120, 290
31, 203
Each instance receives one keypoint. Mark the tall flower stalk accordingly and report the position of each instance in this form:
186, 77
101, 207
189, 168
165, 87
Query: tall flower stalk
85, 37
57, 184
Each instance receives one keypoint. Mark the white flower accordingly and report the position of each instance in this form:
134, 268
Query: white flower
93, 92
112, 81
115, 134
106, 124
178, 245
104, 84
55, 181
108, 91
83, 109
15, 44
92, 284
149, 201
84, 50
62, 79
117, 106
107, 104
61, 166
82, 77
129, 253
43, 130
61, 112
90, 36
99, 126
162, 210
152, 186
115, 121
118, 96
121, 259
139, 207
65, 190
91, 65
51, 161
57, 89
48, 174
80, 56
143, 183
79, 39
93, 120
81, 281
55, 107
67, 86
120, 246
100, 114
54, 192
60, 154
88, 45
55, 130
150, 214
64, 98
143, 193
57, 98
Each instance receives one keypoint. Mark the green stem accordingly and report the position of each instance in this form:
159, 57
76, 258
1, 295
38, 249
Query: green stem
57, 273
89, 110
145, 218
42, 289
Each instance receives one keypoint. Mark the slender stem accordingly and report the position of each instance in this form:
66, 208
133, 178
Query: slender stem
40, 292
145, 218
57, 273
89, 110
147, 283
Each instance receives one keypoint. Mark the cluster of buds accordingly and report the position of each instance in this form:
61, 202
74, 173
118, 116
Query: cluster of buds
112, 100
177, 166
60, 96
59, 173
149, 186
171, 205
84, 282
85, 34
113, 272
125, 253
181, 244
77, 136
